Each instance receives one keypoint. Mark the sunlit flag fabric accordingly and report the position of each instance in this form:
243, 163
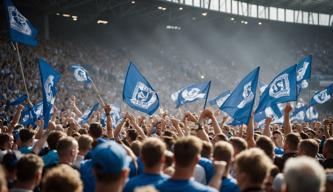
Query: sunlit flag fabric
303, 73
281, 89
50, 78
27, 116
323, 96
115, 115
80, 74
240, 102
20, 29
220, 99
192, 93
311, 114
138, 93
18, 100
262, 87
87, 113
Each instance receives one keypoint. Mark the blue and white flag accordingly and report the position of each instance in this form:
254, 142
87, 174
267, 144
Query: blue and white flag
311, 114
281, 89
80, 74
50, 78
323, 96
20, 29
240, 102
27, 116
18, 100
87, 113
138, 93
303, 73
38, 110
115, 116
220, 99
262, 87
192, 93
260, 118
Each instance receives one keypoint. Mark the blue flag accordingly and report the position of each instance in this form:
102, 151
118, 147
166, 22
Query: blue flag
192, 93
138, 93
18, 100
240, 102
50, 78
311, 114
27, 116
303, 73
260, 118
20, 29
87, 113
38, 110
220, 99
80, 74
323, 96
281, 89
262, 87
115, 115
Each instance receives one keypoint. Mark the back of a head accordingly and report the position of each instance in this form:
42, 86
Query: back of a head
206, 149
27, 167
292, 140
186, 150
85, 142
132, 134
255, 164
328, 147
26, 135
223, 151
152, 152
53, 138
65, 145
303, 174
4, 138
95, 130
267, 145
62, 178
308, 147
136, 147
238, 143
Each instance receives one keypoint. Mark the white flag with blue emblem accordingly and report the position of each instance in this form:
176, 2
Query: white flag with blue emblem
80, 74
240, 102
192, 93
20, 29
303, 73
281, 89
220, 99
50, 78
138, 93
323, 96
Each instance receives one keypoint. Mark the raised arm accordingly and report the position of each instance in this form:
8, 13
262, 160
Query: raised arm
267, 130
208, 114
132, 121
250, 133
107, 109
286, 119
15, 119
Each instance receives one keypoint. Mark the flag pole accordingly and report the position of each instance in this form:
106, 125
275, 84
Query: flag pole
207, 95
24, 81
98, 94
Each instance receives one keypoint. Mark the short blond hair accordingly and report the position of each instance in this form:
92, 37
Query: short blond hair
85, 142
186, 149
62, 178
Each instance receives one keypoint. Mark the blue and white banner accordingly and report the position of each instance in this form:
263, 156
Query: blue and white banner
220, 99
303, 73
138, 93
115, 116
20, 28
311, 114
80, 74
282, 89
18, 100
240, 102
192, 93
87, 113
27, 116
50, 78
323, 96
262, 87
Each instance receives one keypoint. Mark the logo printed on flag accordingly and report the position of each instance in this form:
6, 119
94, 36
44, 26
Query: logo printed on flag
280, 87
143, 96
302, 70
322, 97
80, 74
247, 95
192, 94
48, 85
18, 21
220, 101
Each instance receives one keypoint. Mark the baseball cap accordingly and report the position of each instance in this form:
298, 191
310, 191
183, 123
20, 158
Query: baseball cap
110, 157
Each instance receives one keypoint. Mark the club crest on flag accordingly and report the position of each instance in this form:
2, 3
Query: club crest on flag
247, 95
143, 96
48, 85
322, 97
280, 87
80, 74
192, 94
18, 22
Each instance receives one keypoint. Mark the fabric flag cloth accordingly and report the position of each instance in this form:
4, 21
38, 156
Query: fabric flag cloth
115, 116
27, 116
303, 73
262, 87
304, 114
323, 96
281, 89
192, 93
240, 102
80, 74
18, 100
50, 78
259, 118
220, 99
38, 110
87, 113
20, 29
138, 93
311, 114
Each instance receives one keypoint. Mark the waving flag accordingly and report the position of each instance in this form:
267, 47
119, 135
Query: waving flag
80, 74
303, 73
262, 87
138, 93
323, 96
18, 100
220, 99
192, 93
49, 78
115, 115
259, 118
20, 29
311, 114
27, 116
38, 110
282, 89
240, 102
87, 113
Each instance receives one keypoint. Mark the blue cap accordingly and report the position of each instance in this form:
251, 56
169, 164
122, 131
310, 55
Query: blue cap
110, 157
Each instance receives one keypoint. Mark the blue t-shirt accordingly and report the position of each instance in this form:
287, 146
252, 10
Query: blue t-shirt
208, 167
188, 185
87, 176
133, 171
143, 180
25, 150
229, 184
51, 158
278, 151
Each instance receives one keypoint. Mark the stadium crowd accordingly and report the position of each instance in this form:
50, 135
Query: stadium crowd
189, 151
